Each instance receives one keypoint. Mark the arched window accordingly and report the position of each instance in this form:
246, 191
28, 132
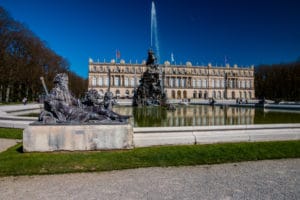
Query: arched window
214, 94
205, 95
184, 94
200, 94
173, 94
178, 94
117, 93
219, 95
127, 93
233, 95
195, 94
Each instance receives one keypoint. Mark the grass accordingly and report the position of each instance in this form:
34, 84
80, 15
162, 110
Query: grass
14, 162
11, 133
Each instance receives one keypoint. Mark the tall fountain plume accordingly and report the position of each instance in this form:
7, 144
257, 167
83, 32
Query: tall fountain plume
154, 31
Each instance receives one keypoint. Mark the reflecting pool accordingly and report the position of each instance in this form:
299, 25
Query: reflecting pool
205, 115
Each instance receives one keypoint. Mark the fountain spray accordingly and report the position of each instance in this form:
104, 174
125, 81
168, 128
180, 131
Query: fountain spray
154, 31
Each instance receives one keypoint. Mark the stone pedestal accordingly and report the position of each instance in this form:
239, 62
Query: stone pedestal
46, 138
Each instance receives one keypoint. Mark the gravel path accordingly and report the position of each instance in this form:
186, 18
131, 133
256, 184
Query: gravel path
275, 179
6, 143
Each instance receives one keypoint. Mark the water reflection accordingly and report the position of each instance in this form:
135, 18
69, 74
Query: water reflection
189, 116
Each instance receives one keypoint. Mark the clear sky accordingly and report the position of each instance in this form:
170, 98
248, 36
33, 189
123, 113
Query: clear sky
246, 32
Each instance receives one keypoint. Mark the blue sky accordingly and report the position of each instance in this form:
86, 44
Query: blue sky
201, 31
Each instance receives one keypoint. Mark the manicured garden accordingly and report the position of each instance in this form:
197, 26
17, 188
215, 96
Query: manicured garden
15, 162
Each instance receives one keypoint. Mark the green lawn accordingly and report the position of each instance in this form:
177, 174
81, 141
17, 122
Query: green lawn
11, 133
15, 162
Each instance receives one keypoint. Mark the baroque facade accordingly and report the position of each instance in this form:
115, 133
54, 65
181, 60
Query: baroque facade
179, 81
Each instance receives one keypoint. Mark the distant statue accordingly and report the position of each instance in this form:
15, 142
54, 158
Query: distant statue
61, 107
102, 106
150, 91
151, 60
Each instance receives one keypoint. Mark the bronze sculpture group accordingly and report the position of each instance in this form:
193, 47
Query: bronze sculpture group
60, 106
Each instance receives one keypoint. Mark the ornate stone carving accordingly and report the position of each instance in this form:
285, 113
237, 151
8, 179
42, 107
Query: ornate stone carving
60, 106
149, 91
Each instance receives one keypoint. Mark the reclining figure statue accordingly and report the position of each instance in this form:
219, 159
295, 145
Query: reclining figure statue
61, 107
94, 103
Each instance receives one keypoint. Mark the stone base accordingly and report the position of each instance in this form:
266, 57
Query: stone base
45, 138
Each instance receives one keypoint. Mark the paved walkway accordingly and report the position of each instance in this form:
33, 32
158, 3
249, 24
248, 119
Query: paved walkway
6, 143
276, 179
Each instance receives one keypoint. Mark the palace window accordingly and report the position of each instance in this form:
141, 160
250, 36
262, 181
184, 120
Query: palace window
199, 83
173, 94
106, 81
132, 82
126, 81
230, 84
100, 81
195, 94
171, 82
94, 81
204, 83
117, 93
213, 83
243, 84
200, 94
183, 82
194, 83
218, 83
174, 82
219, 95
248, 84
178, 82
214, 94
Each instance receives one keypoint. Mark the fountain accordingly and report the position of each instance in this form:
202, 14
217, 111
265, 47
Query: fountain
154, 32
151, 89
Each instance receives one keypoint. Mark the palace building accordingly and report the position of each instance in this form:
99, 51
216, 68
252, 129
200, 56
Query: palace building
179, 81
